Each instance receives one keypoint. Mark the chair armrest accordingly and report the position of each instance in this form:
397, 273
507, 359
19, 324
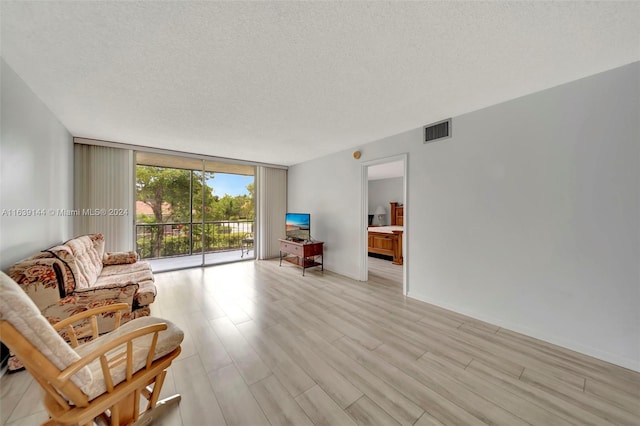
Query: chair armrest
117, 292
119, 258
81, 330
147, 341
117, 359
139, 348
41, 279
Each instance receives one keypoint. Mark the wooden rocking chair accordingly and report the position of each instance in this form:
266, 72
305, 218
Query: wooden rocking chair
100, 380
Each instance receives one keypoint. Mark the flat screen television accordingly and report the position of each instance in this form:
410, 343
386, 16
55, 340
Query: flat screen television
298, 226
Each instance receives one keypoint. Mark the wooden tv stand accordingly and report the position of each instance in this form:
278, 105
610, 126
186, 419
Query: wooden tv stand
304, 254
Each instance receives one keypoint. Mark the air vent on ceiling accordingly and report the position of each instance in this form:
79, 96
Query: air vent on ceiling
437, 131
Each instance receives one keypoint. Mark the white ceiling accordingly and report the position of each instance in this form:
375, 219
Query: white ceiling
285, 82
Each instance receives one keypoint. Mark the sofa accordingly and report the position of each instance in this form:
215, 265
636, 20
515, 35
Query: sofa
79, 275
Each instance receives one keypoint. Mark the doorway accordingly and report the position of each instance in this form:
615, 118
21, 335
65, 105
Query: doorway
384, 254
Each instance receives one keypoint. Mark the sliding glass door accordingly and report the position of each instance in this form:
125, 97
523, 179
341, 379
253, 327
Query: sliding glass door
192, 212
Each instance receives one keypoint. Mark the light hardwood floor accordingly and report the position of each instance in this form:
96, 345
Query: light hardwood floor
263, 345
383, 273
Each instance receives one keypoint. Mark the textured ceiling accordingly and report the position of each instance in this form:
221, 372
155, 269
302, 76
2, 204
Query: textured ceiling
284, 82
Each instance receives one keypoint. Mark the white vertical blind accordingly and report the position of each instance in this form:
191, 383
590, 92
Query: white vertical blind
104, 183
272, 206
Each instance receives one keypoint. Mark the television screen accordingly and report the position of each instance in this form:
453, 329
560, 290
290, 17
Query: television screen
298, 225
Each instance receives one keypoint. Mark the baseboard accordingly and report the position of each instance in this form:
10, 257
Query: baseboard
628, 363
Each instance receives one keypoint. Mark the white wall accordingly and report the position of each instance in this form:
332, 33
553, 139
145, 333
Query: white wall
382, 192
528, 217
36, 157
329, 189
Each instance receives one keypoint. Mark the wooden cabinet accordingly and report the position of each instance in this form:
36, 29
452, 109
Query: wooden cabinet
397, 214
304, 254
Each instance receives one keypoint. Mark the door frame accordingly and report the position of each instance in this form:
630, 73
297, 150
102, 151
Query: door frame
364, 221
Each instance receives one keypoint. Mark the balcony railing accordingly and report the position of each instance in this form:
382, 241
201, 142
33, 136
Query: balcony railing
154, 240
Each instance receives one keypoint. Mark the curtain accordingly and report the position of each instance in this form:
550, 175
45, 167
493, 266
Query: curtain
272, 207
104, 179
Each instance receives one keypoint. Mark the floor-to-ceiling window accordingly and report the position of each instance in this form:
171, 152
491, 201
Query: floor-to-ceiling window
192, 212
